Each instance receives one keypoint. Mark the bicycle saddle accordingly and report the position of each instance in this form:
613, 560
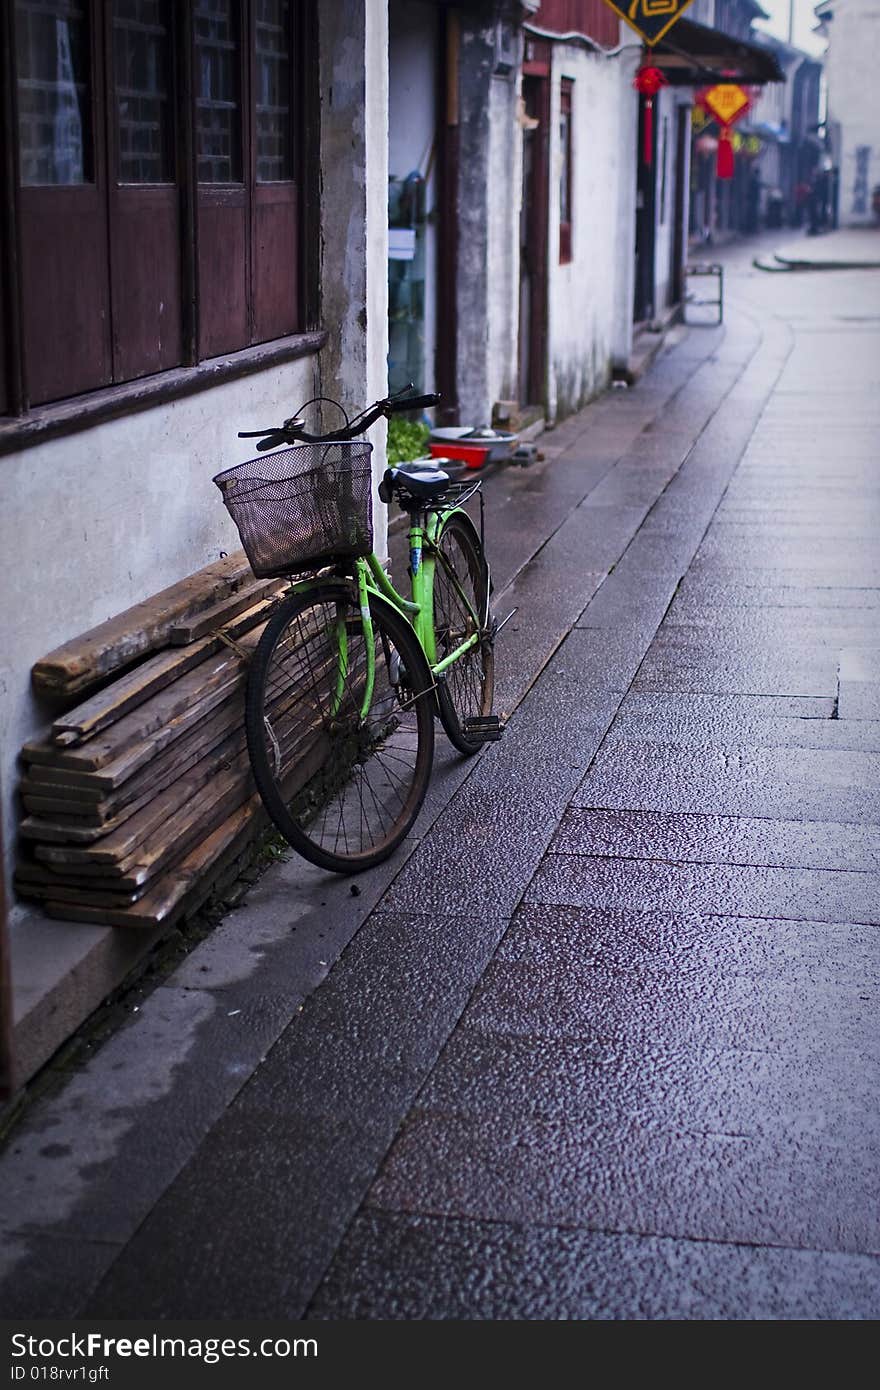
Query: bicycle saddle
422, 479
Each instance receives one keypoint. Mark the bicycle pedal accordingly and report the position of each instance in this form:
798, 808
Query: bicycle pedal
486, 728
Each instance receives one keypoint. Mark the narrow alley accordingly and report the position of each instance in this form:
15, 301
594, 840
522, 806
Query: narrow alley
600, 1041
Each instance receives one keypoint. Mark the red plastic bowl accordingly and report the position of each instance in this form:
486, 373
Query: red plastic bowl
472, 455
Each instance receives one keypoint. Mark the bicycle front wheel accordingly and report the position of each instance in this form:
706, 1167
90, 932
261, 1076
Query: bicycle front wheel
343, 785
461, 604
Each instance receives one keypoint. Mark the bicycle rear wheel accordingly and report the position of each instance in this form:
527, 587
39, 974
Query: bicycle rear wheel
461, 604
342, 787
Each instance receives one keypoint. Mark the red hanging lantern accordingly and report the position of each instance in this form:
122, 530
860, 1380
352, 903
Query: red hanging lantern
648, 81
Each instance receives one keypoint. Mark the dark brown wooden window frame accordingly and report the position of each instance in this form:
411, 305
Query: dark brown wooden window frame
566, 182
201, 360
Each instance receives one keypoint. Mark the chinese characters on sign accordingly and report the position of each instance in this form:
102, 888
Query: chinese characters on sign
725, 103
650, 18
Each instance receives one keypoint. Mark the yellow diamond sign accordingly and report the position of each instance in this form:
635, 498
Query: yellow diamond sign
649, 18
725, 102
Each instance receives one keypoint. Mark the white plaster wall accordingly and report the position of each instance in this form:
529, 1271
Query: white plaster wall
411, 133
852, 63
376, 236
104, 518
502, 221
488, 202
354, 213
586, 329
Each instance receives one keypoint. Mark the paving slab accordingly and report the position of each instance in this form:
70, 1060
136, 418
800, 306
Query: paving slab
614, 1084
418, 1267
859, 682
760, 721
787, 783
745, 890
496, 1168
643, 978
690, 658
693, 839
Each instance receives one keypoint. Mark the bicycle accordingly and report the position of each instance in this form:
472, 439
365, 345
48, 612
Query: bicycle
349, 674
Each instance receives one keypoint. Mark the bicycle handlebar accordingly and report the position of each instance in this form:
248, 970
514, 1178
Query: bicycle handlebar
413, 402
291, 432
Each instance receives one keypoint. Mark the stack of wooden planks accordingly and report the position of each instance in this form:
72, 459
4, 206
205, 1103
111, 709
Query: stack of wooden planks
142, 793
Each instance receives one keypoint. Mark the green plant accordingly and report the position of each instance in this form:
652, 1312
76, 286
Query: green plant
407, 439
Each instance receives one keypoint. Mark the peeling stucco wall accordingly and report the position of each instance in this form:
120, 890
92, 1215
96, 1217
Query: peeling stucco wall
851, 68
590, 297
354, 212
102, 519
489, 195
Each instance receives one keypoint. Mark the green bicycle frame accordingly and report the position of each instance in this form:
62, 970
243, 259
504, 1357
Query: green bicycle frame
424, 556
370, 576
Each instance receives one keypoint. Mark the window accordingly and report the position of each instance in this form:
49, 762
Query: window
159, 156
565, 209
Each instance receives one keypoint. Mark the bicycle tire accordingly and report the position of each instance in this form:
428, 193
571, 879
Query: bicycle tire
468, 688
343, 790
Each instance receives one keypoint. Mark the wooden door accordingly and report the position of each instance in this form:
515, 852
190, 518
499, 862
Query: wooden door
534, 218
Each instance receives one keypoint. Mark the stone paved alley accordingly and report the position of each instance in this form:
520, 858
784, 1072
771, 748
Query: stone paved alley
602, 1040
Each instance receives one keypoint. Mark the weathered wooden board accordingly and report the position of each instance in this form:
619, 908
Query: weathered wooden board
168, 842
86, 660
203, 624
223, 691
153, 779
109, 850
152, 675
120, 833
121, 750
28, 886
183, 888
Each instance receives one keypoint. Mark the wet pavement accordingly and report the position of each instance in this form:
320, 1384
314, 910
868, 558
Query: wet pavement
601, 1042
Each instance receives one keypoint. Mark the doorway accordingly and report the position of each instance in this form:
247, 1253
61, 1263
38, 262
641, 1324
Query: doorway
643, 306
533, 230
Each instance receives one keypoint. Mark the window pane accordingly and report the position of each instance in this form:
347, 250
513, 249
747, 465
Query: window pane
54, 96
218, 93
142, 73
274, 163
565, 147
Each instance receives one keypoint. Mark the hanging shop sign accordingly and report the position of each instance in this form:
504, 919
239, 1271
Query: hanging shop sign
726, 103
651, 19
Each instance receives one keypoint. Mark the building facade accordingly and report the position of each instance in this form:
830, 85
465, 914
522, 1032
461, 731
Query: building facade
852, 28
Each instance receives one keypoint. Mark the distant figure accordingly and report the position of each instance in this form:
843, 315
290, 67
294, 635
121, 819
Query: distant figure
801, 202
815, 204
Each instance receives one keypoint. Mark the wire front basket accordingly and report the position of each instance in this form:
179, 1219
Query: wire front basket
298, 508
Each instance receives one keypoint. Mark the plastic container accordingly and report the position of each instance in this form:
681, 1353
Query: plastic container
498, 442
471, 455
